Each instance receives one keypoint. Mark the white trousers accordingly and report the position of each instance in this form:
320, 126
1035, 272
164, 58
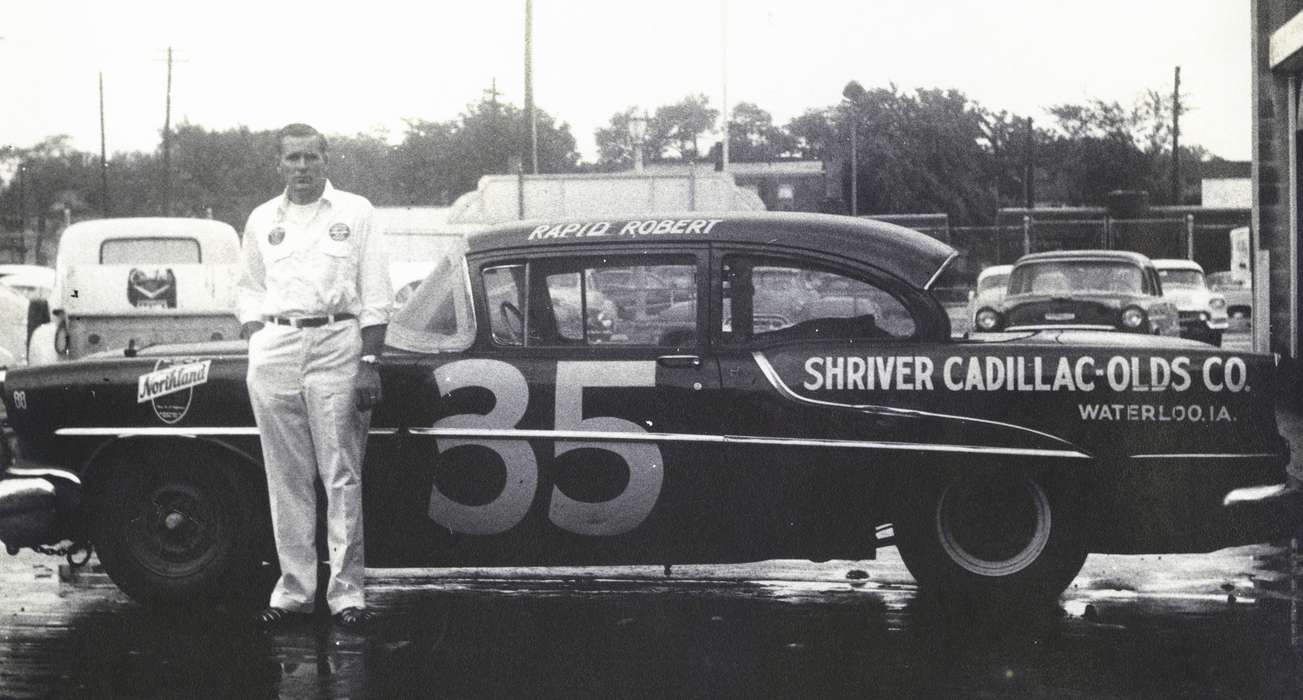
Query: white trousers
301, 384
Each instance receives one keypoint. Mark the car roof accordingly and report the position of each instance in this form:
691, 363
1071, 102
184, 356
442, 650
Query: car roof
80, 243
1118, 255
1176, 264
994, 270
913, 256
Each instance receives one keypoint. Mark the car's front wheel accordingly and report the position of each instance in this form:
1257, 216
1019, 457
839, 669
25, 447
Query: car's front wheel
992, 533
175, 529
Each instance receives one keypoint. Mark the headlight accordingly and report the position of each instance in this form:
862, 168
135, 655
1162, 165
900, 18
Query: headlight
988, 320
1217, 303
1133, 318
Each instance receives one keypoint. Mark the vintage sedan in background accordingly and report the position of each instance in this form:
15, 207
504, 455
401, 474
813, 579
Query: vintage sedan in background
984, 302
508, 438
1086, 289
1201, 311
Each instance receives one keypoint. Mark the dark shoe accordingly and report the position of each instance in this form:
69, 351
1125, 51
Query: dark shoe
353, 618
273, 617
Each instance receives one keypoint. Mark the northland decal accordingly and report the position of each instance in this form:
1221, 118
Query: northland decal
170, 387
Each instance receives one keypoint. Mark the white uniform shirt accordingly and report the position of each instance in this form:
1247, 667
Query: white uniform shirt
329, 260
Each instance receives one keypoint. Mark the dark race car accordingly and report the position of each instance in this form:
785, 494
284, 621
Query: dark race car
1089, 289
747, 427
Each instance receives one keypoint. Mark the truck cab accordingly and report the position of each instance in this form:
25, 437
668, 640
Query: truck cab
135, 282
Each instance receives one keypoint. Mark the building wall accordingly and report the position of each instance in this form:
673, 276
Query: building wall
1226, 192
1272, 162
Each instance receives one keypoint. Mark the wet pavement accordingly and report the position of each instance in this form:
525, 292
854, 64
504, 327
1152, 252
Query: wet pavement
1218, 625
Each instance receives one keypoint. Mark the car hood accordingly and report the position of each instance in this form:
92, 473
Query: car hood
1188, 298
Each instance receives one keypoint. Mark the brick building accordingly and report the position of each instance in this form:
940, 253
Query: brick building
1277, 50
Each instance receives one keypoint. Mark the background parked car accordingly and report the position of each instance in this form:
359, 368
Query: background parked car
1098, 289
1202, 312
1238, 293
984, 302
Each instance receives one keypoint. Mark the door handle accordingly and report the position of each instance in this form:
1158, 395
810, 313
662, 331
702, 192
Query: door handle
679, 361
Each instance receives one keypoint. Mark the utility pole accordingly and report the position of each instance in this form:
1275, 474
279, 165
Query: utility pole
167, 141
1176, 138
530, 120
104, 163
723, 24
1029, 167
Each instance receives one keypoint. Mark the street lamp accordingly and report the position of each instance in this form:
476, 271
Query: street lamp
637, 132
852, 93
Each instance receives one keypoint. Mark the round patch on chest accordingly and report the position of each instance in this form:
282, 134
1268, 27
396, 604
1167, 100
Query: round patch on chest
276, 236
339, 232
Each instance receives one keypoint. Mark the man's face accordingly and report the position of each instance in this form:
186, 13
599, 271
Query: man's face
303, 165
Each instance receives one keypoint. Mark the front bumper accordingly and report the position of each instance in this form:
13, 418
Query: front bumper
37, 506
1264, 513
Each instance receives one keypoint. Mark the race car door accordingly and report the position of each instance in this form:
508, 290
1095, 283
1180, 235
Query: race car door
574, 431
809, 473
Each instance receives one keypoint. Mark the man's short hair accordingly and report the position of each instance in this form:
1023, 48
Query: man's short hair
297, 130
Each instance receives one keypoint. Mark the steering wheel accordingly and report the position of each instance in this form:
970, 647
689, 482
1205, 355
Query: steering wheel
512, 320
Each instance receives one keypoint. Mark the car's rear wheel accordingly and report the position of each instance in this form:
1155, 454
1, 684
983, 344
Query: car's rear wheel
176, 529
992, 533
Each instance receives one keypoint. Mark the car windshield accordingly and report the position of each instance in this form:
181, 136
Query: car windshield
1068, 276
438, 317
993, 282
1182, 278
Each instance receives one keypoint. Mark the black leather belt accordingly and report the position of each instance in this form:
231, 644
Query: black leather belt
309, 321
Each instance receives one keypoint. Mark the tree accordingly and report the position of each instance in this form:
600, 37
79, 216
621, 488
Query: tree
813, 134
681, 124
752, 136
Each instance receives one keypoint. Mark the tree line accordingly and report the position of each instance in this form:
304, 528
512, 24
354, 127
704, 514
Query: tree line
921, 151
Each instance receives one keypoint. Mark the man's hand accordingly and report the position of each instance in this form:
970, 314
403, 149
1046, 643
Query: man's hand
367, 391
249, 328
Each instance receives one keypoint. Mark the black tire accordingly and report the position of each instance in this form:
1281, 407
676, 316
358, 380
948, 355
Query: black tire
175, 528
992, 533
1214, 338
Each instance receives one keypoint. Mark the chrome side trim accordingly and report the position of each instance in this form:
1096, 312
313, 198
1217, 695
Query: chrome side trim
195, 431
781, 387
602, 436
43, 471
1207, 455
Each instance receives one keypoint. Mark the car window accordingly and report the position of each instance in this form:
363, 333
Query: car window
149, 251
993, 282
610, 302
798, 300
438, 315
1066, 276
594, 301
504, 291
1181, 278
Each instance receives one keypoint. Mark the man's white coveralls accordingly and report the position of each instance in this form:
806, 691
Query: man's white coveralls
301, 266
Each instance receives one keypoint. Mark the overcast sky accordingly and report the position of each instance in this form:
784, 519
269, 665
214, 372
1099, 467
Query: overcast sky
361, 66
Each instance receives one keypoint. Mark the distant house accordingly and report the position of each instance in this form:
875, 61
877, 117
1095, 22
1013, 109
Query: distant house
783, 185
1226, 183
